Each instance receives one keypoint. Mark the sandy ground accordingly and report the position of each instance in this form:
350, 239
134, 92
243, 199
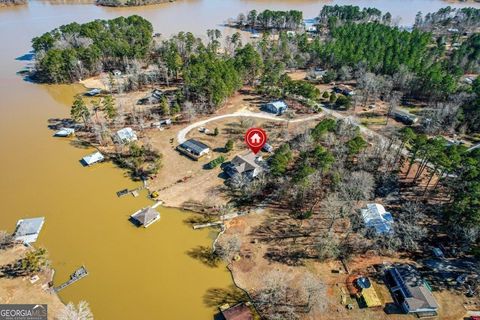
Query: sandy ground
20, 290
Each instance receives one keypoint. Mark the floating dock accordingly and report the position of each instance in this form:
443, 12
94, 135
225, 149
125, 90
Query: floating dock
74, 277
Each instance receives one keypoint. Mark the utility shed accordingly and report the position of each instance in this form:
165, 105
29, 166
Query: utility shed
27, 230
145, 217
377, 218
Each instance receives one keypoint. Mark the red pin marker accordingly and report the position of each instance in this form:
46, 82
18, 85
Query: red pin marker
255, 138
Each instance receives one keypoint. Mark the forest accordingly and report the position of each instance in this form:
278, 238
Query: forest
336, 15
76, 51
270, 19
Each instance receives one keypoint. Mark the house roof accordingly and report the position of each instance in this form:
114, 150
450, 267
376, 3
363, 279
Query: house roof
244, 163
27, 230
194, 146
417, 293
146, 216
127, 134
376, 217
238, 312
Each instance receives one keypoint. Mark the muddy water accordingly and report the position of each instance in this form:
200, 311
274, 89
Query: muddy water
134, 273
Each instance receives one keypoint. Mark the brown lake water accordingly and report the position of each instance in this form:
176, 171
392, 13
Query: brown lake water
134, 273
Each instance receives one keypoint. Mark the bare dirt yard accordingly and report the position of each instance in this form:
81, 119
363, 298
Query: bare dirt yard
20, 290
251, 269
182, 179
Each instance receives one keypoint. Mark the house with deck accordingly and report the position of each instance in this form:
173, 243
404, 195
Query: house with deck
193, 149
410, 291
245, 165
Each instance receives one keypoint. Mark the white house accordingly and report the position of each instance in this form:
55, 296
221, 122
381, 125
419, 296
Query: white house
27, 230
93, 158
276, 107
125, 135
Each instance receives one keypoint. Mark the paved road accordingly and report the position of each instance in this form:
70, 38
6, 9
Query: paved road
182, 134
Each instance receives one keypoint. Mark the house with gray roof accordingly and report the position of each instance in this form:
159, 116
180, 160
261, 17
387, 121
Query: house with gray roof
27, 230
245, 165
193, 149
410, 291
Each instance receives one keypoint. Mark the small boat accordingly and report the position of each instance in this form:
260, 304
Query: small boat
64, 132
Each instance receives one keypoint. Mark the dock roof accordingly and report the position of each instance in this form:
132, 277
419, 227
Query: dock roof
93, 158
145, 216
27, 230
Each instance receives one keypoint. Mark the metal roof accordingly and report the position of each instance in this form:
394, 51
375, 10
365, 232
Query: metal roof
194, 146
127, 134
146, 216
27, 230
376, 217
415, 290
92, 158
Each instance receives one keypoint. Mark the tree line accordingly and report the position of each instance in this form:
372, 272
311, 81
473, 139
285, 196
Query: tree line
271, 19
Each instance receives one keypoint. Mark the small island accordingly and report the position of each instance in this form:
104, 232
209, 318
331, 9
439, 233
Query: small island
129, 3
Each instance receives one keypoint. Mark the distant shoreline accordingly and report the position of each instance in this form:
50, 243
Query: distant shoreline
129, 3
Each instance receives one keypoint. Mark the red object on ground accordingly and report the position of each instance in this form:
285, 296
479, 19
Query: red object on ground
255, 138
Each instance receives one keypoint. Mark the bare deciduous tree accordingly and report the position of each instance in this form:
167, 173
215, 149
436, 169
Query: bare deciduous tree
80, 312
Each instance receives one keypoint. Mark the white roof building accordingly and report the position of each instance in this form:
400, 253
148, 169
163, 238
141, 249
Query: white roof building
277, 107
376, 217
126, 135
27, 230
93, 158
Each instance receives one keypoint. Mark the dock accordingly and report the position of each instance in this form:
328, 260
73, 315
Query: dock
74, 277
